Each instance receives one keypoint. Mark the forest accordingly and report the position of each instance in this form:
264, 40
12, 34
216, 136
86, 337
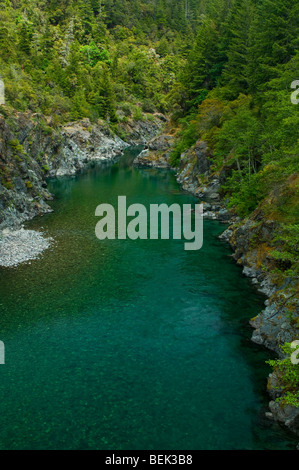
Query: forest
223, 71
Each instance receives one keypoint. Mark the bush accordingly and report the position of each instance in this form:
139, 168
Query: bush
148, 106
288, 375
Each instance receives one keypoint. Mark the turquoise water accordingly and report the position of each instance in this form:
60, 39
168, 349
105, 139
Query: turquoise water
122, 344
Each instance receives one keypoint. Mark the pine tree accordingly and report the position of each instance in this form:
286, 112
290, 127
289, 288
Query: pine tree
25, 35
202, 69
107, 98
237, 32
273, 39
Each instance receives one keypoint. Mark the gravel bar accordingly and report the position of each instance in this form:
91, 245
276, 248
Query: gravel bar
18, 246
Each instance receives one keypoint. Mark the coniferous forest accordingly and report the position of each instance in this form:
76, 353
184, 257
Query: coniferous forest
219, 68
222, 72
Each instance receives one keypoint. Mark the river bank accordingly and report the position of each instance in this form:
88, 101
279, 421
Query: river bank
32, 154
252, 241
130, 343
33, 149
19, 246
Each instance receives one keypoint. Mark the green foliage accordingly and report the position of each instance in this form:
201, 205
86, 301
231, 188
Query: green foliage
55, 57
287, 252
203, 67
235, 91
288, 375
188, 137
91, 54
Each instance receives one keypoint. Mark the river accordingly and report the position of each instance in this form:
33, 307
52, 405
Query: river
123, 344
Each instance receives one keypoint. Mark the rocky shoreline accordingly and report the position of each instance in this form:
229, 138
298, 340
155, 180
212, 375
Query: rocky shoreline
252, 241
33, 149
20, 246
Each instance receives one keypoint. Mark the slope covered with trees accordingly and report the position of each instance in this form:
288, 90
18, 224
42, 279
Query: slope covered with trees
237, 92
86, 58
222, 69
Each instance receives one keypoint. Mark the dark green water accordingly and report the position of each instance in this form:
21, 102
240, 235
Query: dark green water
129, 344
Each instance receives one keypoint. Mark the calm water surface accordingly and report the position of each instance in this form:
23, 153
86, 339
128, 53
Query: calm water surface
129, 344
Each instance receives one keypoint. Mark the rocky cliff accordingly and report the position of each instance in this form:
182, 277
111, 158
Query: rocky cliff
254, 241
32, 148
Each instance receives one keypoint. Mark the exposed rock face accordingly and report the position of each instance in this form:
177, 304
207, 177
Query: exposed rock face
195, 176
284, 414
81, 142
194, 172
252, 241
32, 148
140, 132
23, 192
156, 153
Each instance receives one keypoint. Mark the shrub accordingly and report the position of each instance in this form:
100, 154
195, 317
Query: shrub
288, 375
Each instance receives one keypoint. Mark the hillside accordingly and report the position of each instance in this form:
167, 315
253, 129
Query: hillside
84, 78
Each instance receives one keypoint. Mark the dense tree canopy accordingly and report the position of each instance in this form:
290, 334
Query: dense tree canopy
240, 70
233, 60
57, 53
222, 69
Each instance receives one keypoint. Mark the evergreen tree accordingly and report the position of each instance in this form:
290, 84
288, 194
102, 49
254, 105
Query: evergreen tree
273, 39
25, 35
238, 27
202, 69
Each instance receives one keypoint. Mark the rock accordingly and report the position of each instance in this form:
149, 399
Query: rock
249, 272
30, 150
160, 143
19, 246
83, 143
140, 132
209, 215
272, 327
226, 235
195, 163
287, 415
157, 153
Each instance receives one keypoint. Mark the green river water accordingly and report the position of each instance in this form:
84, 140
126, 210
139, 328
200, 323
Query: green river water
123, 344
